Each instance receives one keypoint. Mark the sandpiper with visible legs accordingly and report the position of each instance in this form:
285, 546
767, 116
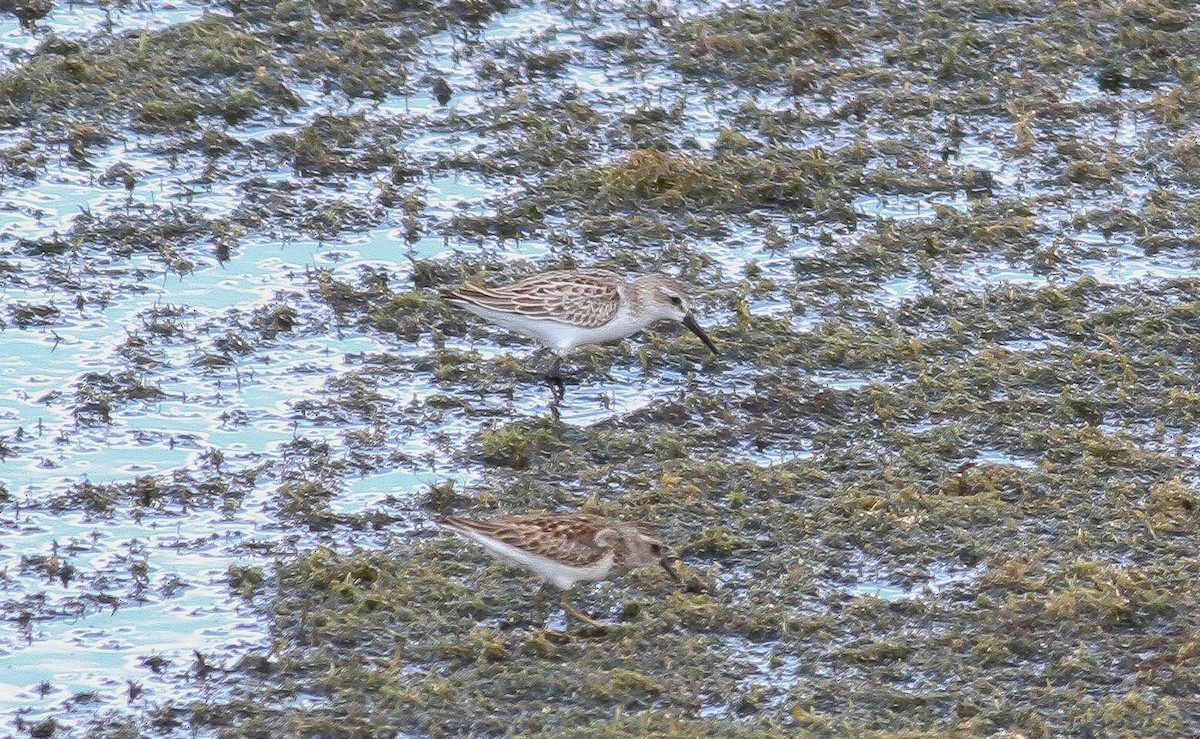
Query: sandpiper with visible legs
566, 548
565, 309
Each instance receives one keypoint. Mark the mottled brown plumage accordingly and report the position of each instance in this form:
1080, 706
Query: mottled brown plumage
565, 309
581, 297
566, 548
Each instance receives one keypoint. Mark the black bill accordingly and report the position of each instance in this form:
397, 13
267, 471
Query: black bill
690, 323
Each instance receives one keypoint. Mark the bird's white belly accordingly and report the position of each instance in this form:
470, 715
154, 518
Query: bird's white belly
560, 337
563, 576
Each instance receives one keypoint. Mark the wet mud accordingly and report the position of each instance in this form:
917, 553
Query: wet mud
941, 478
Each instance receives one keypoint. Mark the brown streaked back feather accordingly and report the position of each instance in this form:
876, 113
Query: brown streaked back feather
580, 297
570, 539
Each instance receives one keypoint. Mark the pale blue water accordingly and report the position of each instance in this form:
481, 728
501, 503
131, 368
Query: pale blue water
99, 650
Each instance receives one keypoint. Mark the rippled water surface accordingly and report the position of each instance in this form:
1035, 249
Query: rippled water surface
142, 594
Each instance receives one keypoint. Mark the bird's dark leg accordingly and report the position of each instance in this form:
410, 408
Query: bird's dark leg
570, 611
555, 379
555, 374
539, 607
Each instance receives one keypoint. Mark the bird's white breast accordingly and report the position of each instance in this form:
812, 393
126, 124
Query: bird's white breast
561, 575
560, 337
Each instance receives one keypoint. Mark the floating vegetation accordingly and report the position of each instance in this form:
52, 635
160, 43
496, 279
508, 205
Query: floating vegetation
941, 478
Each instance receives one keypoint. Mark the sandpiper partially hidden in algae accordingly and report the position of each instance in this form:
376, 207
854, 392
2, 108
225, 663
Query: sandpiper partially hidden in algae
568, 308
566, 548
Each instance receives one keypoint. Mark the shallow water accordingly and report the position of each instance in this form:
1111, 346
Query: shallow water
940, 578
181, 602
100, 649
91, 20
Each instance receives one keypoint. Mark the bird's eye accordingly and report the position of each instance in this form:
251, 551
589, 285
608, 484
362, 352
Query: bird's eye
676, 300
656, 548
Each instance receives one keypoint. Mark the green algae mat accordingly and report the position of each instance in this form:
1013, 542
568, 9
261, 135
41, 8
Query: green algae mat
940, 481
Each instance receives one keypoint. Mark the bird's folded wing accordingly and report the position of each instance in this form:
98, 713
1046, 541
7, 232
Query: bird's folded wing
584, 298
